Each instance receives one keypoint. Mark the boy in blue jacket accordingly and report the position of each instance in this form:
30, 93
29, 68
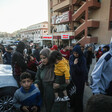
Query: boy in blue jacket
27, 98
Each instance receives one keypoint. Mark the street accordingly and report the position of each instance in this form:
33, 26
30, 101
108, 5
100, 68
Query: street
88, 91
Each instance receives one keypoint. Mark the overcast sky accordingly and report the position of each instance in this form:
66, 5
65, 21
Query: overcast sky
17, 14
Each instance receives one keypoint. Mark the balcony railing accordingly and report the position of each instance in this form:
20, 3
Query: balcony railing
61, 5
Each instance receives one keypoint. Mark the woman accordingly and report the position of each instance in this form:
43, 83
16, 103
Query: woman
44, 80
78, 72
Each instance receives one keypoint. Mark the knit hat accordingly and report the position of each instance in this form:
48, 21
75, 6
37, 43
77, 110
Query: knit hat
54, 47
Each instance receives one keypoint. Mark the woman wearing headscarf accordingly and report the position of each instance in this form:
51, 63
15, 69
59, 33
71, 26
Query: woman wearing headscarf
18, 62
44, 80
78, 72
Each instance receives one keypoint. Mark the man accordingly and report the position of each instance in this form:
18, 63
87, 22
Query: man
18, 62
102, 73
89, 55
36, 53
8, 55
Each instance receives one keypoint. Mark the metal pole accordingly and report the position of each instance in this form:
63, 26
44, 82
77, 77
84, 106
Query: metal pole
52, 35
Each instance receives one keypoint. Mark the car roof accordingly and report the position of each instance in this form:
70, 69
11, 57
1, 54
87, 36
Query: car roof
6, 77
5, 69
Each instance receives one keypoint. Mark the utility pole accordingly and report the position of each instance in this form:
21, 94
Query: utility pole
52, 35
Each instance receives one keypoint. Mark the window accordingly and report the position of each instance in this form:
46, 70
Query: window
110, 25
45, 31
111, 4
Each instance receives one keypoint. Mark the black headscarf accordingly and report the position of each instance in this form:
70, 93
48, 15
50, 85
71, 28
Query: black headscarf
20, 47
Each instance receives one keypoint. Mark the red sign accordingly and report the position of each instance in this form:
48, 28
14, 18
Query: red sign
47, 37
65, 37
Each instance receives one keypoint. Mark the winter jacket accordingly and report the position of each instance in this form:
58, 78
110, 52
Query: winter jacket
102, 74
32, 65
62, 68
18, 63
7, 58
30, 98
46, 87
36, 54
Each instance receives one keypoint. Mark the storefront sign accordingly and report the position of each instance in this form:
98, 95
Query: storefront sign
64, 36
47, 37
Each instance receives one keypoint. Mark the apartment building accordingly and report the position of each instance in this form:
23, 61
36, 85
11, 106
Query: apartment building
35, 32
83, 21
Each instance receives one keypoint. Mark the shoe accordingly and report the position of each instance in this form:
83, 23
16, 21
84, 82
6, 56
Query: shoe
65, 98
58, 99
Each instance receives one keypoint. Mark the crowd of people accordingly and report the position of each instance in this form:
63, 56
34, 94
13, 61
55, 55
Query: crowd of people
43, 75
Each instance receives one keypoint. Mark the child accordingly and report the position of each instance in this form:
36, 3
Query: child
62, 74
32, 63
27, 98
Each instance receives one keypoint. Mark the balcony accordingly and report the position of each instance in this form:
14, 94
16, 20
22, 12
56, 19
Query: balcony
89, 24
89, 39
94, 4
60, 6
93, 24
76, 2
79, 13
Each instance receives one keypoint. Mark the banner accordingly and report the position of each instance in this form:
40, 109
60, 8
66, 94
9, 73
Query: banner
65, 17
47, 37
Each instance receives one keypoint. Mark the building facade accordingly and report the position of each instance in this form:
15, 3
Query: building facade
35, 32
83, 21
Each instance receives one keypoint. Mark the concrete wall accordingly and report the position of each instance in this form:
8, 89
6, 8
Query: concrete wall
102, 14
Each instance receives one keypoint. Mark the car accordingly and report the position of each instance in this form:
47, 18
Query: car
8, 86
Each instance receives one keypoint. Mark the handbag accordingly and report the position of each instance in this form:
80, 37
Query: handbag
71, 89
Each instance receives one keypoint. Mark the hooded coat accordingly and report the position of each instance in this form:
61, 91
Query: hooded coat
102, 73
18, 61
78, 74
78, 71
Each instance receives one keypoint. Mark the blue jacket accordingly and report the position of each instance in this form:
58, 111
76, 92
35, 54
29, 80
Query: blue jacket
7, 58
30, 98
102, 74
